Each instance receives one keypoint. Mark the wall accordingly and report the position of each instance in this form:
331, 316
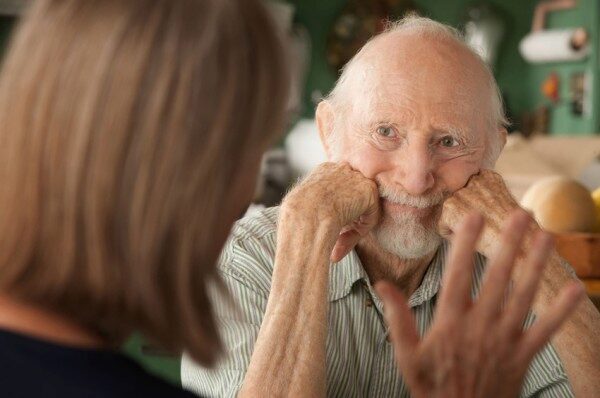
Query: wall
587, 14
518, 80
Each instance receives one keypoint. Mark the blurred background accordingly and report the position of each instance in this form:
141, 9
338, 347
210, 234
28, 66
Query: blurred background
545, 57
334, 29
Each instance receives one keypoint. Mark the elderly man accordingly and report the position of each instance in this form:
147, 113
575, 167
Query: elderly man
412, 128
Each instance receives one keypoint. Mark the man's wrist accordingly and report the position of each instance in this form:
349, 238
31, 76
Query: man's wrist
298, 217
305, 238
557, 274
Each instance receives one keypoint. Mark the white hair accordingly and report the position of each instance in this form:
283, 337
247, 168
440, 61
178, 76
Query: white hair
433, 29
404, 234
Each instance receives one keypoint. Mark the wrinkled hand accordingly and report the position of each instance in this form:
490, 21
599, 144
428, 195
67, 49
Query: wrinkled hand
487, 194
477, 349
336, 193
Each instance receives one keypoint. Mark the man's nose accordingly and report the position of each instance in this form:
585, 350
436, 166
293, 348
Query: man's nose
414, 169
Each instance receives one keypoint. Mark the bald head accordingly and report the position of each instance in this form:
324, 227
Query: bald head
428, 61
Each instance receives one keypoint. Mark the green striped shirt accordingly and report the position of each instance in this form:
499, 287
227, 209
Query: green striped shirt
360, 360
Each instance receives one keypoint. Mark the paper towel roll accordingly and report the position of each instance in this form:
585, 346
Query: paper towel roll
551, 46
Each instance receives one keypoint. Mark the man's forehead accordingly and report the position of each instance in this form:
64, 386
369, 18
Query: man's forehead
393, 95
388, 89
406, 102
441, 84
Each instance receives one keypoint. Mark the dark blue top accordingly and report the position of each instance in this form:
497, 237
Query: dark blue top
35, 368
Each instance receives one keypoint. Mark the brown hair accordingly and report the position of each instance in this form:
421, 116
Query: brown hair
126, 131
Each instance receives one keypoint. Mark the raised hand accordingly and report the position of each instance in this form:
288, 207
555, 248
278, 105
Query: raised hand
478, 348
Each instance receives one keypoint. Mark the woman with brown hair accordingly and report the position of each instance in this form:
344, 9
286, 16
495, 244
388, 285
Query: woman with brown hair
130, 138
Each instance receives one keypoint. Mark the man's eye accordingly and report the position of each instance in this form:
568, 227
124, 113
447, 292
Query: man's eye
449, 141
386, 131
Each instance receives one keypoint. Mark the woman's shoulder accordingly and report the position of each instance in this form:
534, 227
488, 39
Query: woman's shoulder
30, 367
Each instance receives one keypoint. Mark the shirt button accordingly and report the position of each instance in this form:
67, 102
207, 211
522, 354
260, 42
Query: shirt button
369, 302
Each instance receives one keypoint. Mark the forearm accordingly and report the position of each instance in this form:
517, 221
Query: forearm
578, 341
289, 354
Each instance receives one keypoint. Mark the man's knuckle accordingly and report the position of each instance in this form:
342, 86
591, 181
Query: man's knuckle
372, 185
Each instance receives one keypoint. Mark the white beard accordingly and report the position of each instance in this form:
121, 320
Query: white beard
404, 234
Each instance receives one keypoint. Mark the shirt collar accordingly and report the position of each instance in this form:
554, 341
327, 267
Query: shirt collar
344, 274
432, 280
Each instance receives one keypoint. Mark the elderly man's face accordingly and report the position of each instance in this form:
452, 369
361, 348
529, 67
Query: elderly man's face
417, 126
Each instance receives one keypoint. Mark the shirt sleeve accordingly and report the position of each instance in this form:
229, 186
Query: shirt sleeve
246, 277
546, 377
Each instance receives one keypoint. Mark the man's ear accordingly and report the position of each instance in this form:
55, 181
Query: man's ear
325, 118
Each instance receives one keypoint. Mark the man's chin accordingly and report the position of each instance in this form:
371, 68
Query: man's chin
409, 238
401, 214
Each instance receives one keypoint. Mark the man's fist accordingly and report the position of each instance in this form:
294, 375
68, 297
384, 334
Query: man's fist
486, 194
334, 193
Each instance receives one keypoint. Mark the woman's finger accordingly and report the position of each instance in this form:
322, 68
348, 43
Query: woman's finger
497, 277
455, 294
526, 287
545, 326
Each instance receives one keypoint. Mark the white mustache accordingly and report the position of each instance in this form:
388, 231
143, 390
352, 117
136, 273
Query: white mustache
402, 198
